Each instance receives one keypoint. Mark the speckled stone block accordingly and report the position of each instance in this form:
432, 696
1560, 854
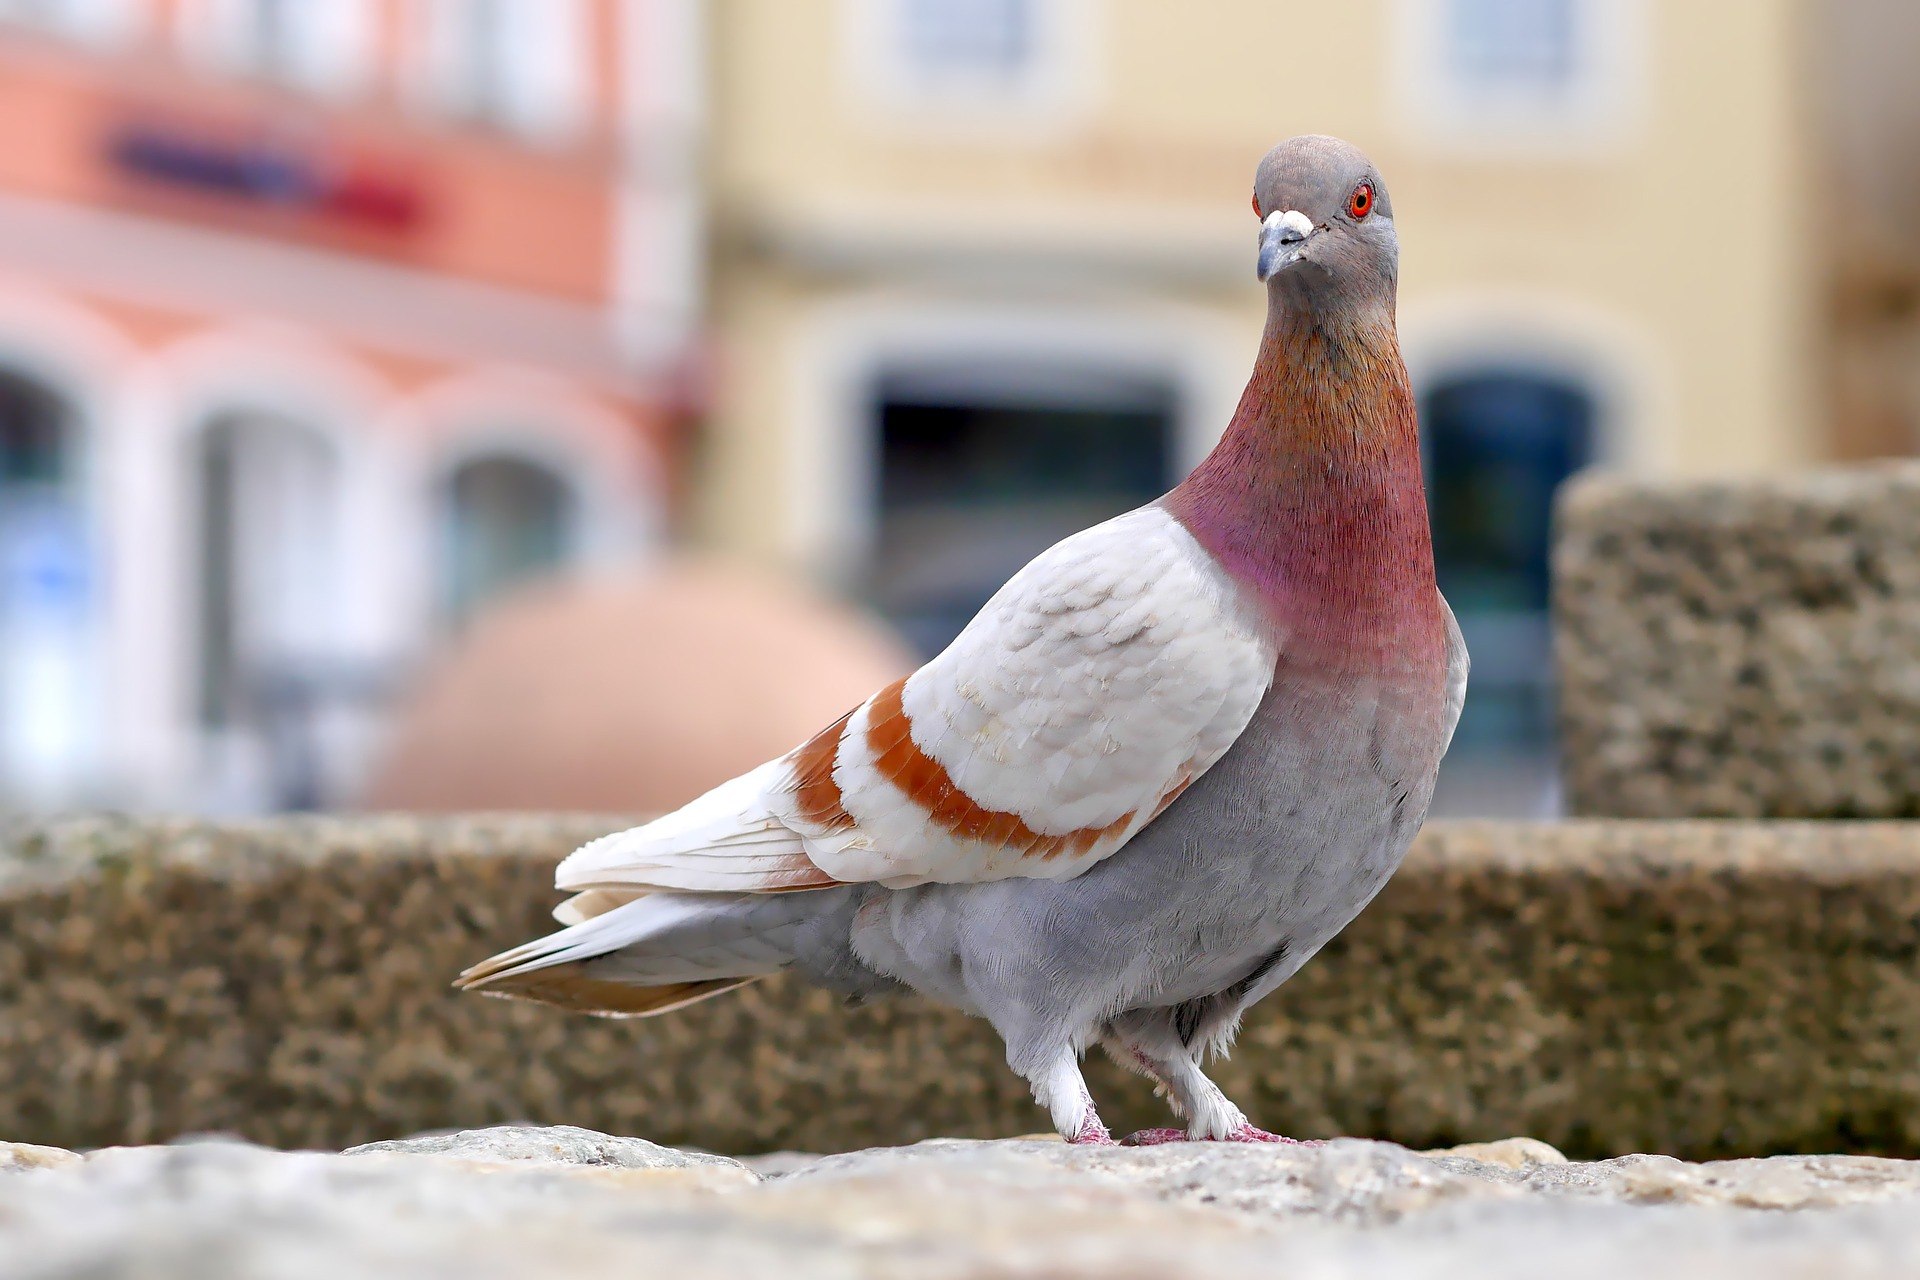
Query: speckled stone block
1745, 649
559, 1209
540, 1204
1699, 989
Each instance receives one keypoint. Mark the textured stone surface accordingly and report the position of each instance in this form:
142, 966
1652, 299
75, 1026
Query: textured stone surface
1512, 1153
1698, 989
21, 1157
562, 1144
1745, 649
213, 1210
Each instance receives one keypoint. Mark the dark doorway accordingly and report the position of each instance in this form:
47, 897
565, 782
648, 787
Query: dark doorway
984, 465
34, 436
1499, 442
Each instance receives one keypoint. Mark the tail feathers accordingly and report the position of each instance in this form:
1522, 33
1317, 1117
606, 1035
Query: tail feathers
589, 903
568, 986
648, 955
726, 841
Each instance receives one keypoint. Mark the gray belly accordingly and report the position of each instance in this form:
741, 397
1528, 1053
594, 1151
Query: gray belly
1267, 856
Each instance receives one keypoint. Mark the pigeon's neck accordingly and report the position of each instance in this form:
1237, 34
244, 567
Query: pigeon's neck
1313, 497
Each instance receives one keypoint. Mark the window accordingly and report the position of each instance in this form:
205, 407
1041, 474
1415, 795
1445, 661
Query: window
1506, 71
1499, 443
320, 45
1020, 58
1525, 45
270, 583
520, 65
33, 435
981, 40
91, 20
505, 521
46, 598
984, 465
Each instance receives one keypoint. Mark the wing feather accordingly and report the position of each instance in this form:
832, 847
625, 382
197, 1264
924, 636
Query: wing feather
1089, 692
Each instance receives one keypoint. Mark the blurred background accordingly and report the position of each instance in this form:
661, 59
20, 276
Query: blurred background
568, 403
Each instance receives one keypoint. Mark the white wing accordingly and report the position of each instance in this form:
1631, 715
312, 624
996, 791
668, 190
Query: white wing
1088, 693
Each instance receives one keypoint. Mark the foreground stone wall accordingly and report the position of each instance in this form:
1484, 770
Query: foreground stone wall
569, 1204
1745, 649
1697, 989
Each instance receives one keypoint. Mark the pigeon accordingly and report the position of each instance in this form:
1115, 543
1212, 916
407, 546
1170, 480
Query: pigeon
1167, 762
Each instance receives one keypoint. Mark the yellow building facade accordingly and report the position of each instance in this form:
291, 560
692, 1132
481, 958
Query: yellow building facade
1639, 224
982, 273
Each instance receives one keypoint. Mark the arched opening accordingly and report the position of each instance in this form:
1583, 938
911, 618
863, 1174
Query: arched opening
982, 464
504, 520
47, 596
269, 652
1499, 442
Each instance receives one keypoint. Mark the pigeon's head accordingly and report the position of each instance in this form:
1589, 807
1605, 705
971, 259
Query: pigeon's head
1326, 224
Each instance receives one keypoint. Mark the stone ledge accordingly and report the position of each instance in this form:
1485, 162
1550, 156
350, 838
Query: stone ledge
1741, 649
576, 1205
1699, 989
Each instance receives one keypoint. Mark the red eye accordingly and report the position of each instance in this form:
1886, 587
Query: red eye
1256, 206
1360, 203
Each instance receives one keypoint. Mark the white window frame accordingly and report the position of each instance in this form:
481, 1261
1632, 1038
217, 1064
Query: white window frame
1601, 104
850, 343
1055, 92
336, 48
95, 22
550, 94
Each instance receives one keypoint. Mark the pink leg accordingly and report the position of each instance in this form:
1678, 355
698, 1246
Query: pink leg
1064, 1094
1092, 1133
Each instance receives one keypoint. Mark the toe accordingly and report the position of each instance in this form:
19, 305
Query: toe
1153, 1137
1091, 1133
1247, 1133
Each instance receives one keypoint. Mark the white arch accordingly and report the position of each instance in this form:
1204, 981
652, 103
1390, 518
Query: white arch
65, 346
616, 478
269, 368
287, 373
91, 366
1465, 332
846, 345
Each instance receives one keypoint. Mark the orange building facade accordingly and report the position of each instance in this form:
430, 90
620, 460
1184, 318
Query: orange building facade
321, 321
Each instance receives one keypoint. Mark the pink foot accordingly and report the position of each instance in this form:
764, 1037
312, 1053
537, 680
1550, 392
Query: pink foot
1245, 1133
1153, 1137
1092, 1133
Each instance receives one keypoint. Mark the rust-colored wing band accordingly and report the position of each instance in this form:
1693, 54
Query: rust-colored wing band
815, 792
926, 782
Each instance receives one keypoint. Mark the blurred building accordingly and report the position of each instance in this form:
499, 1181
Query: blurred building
1869, 195
983, 274
320, 322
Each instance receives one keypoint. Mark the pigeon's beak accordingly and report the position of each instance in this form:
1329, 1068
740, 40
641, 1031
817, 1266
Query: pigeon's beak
1282, 237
